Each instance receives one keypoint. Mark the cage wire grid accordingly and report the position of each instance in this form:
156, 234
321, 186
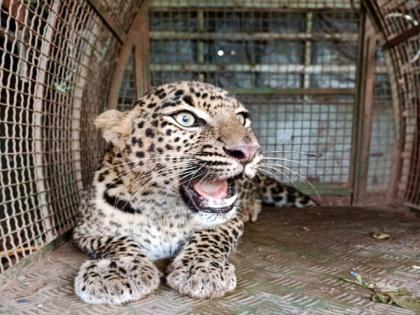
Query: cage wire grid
292, 60
304, 51
56, 60
400, 24
383, 130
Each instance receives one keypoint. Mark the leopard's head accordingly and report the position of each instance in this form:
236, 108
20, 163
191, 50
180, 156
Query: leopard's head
187, 138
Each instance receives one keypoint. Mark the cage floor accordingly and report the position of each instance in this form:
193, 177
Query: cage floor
290, 262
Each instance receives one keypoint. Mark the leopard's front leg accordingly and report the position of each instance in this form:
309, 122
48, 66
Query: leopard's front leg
202, 268
121, 274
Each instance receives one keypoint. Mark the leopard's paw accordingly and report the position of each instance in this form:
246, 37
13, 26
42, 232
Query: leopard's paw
251, 212
116, 280
202, 279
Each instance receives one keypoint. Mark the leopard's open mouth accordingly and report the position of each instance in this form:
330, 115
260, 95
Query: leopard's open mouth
217, 196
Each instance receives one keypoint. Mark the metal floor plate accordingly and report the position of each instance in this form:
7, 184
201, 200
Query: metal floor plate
290, 262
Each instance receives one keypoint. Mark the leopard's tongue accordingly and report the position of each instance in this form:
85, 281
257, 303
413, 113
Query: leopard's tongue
217, 189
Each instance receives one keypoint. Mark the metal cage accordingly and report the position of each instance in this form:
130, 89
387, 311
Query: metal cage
336, 79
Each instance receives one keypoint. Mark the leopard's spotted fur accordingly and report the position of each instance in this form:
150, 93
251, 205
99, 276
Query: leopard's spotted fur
135, 214
263, 190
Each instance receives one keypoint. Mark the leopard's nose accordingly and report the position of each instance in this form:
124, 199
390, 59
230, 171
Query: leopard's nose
243, 153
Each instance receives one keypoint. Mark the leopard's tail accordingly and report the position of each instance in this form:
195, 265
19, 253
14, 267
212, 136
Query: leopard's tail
275, 194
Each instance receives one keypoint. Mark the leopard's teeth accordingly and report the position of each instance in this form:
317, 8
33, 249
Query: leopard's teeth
220, 203
250, 170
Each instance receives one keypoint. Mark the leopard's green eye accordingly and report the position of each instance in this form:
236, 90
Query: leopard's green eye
185, 119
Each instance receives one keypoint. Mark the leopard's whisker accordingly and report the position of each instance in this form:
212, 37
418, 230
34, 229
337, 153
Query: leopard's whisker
309, 154
146, 184
174, 175
168, 173
175, 165
300, 176
186, 177
115, 165
149, 178
128, 162
141, 166
197, 172
206, 175
287, 160
145, 178
269, 172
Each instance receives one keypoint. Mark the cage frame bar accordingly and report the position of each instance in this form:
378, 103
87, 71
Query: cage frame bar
404, 36
295, 91
403, 162
365, 79
107, 19
40, 182
140, 52
254, 36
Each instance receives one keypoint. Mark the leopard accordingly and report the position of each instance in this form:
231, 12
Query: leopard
177, 170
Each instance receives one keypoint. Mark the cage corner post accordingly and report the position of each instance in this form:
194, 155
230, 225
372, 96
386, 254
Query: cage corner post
136, 44
362, 119
141, 49
39, 103
394, 182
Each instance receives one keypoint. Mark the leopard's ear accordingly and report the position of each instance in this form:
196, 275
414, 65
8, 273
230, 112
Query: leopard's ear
115, 127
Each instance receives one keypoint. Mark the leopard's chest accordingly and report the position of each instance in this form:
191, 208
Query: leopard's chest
162, 240
160, 227
159, 231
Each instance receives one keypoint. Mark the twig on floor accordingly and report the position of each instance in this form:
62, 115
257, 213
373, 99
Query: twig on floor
392, 296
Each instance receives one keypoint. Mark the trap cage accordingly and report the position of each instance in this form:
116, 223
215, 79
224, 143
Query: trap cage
333, 87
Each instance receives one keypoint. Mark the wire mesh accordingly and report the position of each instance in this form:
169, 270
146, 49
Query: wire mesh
127, 94
56, 59
292, 60
400, 24
256, 49
289, 127
121, 11
383, 132
253, 46
398, 16
409, 93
